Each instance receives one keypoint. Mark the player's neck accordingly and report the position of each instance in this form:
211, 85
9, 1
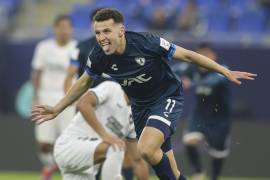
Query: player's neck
122, 46
61, 43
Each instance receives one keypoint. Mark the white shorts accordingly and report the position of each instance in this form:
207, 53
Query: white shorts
48, 131
75, 157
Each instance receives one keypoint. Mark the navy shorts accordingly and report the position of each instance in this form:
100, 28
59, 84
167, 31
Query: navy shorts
162, 115
215, 131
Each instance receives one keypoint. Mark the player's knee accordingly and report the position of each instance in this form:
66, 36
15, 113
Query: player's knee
45, 147
146, 152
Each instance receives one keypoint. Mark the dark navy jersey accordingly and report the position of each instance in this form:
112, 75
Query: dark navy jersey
81, 53
212, 93
142, 69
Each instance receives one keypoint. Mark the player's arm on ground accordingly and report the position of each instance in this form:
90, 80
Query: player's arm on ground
72, 71
139, 166
86, 105
42, 113
191, 56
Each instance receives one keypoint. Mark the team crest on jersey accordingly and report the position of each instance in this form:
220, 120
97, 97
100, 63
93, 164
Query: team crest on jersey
140, 60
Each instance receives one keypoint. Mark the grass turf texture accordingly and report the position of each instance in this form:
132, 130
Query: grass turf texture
36, 176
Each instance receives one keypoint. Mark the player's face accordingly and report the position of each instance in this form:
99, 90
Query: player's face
109, 35
63, 31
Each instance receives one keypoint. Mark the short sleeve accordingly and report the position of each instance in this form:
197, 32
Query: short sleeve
102, 92
38, 58
74, 57
160, 46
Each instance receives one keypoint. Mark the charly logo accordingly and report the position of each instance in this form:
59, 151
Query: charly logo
140, 60
114, 67
139, 79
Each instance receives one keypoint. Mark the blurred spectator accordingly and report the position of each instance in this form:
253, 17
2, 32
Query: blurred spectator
188, 18
160, 14
265, 4
159, 19
3, 20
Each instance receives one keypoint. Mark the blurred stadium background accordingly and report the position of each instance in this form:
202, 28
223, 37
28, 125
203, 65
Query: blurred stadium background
238, 29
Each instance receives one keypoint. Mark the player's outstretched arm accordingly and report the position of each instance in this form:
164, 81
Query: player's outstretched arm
191, 56
42, 113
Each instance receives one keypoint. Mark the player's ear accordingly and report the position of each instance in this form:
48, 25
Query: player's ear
122, 31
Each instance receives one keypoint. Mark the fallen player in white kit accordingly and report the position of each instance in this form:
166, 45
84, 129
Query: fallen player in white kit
96, 135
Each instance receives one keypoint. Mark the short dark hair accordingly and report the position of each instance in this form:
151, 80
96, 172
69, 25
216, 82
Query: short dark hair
109, 13
94, 12
62, 17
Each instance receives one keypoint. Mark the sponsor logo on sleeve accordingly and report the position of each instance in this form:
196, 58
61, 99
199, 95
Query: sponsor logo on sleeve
165, 44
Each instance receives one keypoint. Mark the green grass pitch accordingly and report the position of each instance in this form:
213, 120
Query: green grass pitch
36, 176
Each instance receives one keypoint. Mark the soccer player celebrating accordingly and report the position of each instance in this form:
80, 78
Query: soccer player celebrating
77, 66
96, 135
210, 117
51, 59
138, 62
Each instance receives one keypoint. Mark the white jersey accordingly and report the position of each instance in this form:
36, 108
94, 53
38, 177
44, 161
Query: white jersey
53, 61
112, 111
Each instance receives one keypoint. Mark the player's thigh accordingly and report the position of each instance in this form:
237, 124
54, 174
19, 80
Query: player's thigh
150, 140
46, 132
165, 115
75, 154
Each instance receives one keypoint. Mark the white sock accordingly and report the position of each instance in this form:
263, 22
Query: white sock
112, 165
47, 159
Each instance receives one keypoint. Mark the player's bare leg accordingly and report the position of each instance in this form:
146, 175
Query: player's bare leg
127, 170
139, 166
149, 147
173, 163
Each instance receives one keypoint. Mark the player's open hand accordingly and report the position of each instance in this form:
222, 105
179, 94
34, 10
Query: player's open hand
41, 113
116, 142
236, 76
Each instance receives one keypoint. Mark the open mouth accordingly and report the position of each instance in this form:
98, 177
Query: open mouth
105, 46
